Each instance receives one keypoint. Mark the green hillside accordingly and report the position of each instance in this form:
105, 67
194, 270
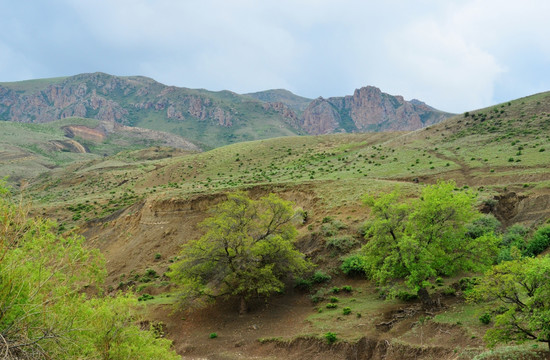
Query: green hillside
28, 150
139, 206
296, 102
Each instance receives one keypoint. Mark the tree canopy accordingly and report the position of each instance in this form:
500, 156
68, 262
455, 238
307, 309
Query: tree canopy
43, 311
425, 237
247, 250
522, 290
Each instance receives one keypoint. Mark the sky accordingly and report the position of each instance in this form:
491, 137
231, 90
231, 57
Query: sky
455, 55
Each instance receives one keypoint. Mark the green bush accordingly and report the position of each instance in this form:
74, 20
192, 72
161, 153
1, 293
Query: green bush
406, 296
485, 224
335, 290
303, 284
334, 299
449, 291
347, 288
318, 296
341, 243
330, 337
346, 311
468, 283
354, 265
331, 306
329, 229
485, 319
213, 335
320, 277
515, 235
145, 297
539, 242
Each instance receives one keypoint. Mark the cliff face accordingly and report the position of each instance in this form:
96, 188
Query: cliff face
108, 98
368, 109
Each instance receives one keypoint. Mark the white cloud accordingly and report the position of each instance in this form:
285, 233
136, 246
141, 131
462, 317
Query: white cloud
455, 55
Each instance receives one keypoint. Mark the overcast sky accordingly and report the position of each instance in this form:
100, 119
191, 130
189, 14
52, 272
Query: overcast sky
454, 55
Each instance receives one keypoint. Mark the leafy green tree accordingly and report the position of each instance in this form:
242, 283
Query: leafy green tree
247, 250
426, 237
522, 288
539, 242
43, 311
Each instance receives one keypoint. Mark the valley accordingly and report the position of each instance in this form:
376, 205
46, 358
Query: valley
138, 195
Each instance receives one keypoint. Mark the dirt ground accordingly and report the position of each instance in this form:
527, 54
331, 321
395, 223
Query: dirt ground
278, 329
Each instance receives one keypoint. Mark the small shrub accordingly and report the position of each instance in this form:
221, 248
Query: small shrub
354, 265
485, 319
406, 296
334, 299
347, 288
320, 277
145, 297
468, 283
329, 229
151, 273
335, 290
303, 284
213, 335
318, 296
341, 243
439, 281
158, 256
449, 291
539, 242
331, 306
485, 224
330, 337
346, 310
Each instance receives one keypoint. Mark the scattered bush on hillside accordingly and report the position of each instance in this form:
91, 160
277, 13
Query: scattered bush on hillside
354, 265
347, 288
485, 319
330, 337
320, 277
303, 284
485, 224
341, 243
346, 310
539, 242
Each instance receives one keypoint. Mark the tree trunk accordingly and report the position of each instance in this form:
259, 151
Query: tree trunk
243, 309
427, 302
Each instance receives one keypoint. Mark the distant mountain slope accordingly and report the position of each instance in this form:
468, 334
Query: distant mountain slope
293, 101
368, 109
27, 150
210, 118
213, 118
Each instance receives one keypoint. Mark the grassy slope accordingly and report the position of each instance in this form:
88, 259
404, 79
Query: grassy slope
30, 86
26, 150
477, 151
492, 150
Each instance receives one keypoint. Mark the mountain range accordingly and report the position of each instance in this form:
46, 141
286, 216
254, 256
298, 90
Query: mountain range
208, 118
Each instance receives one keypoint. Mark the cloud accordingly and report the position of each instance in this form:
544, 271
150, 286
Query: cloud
455, 55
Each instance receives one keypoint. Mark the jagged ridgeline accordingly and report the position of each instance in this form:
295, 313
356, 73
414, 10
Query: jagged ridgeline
208, 118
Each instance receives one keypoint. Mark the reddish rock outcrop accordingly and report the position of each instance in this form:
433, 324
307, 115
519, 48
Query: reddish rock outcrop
368, 109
